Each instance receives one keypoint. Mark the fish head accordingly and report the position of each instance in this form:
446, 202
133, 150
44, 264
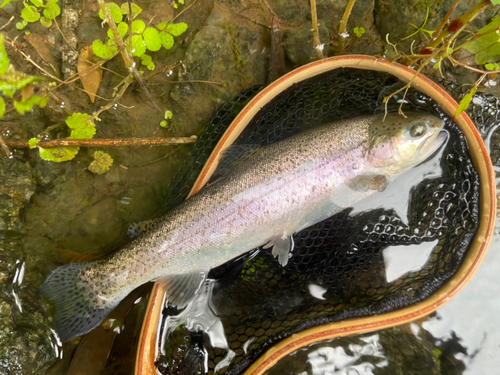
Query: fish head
399, 143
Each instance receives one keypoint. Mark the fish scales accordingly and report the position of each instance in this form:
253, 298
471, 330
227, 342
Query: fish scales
285, 187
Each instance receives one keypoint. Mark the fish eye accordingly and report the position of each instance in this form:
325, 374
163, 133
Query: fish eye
418, 130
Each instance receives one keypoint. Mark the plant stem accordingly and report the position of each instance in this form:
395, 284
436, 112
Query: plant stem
4, 147
343, 25
456, 26
448, 15
315, 31
127, 142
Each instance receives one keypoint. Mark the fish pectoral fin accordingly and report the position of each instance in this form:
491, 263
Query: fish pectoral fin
180, 289
367, 182
231, 157
282, 246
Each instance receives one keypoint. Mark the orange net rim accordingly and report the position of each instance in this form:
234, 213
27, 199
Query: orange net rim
147, 347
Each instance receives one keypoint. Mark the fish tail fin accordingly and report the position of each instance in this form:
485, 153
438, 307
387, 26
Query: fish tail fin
76, 313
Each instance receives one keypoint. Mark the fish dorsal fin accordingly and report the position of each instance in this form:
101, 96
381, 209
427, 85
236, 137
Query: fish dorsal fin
282, 246
180, 289
232, 156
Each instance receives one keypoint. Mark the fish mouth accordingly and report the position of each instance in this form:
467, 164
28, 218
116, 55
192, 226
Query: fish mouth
434, 143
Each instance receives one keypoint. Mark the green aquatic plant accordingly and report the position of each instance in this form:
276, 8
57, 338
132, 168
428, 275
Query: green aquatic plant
16, 85
140, 38
39, 11
448, 38
102, 162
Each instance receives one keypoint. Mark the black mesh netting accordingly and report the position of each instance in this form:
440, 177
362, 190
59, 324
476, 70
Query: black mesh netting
258, 301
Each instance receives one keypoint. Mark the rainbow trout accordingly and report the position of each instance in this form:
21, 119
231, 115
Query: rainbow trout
283, 188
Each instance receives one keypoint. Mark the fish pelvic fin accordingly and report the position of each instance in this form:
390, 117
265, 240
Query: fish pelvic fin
282, 247
181, 289
76, 314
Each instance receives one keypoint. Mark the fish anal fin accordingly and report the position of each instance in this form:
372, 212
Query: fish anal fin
282, 246
180, 289
232, 156
367, 182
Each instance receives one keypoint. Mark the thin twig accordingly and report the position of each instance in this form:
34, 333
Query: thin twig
199, 81
126, 142
343, 25
315, 31
485, 72
445, 19
5, 147
126, 83
7, 24
184, 10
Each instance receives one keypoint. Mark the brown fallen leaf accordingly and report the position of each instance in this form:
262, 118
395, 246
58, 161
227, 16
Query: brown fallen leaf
38, 43
90, 74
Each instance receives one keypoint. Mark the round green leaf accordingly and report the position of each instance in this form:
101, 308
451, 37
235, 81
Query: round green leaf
30, 13
4, 58
138, 45
167, 40
115, 11
103, 51
47, 22
102, 163
2, 107
176, 29
152, 39
58, 154
136, 9
138, 27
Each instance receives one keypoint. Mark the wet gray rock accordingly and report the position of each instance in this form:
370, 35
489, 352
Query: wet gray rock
27, 344
231, 55
16, 188
298, 43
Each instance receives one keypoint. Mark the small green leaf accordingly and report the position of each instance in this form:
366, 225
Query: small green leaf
138, 27
122, 30
5, 2
2, 107
27, 32
138, 45
168, 114
436, 65
359, 31
32, 143
145, 59
24, 22
4, 58
464, 103
103, 51
163, 124
115, 12
151, 66
152, 39
136, 9
46, 22
449, 51
58, 154
30, 13
167, 40
181, 2
162, 25
491, 66
37, 3
102, 162
81, 128
27, 105
495, 2
52, 10
20, 26
486, 47
177, 29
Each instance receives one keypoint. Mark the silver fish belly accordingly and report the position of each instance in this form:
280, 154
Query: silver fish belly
284, 188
